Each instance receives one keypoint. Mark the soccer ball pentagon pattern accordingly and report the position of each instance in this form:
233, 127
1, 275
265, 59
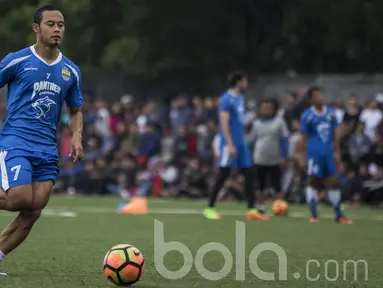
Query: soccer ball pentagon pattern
124, 265
280, 207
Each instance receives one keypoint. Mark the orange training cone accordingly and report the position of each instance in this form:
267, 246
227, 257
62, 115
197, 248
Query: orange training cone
138, 206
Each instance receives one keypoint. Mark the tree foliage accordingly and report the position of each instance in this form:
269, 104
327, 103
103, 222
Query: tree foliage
205, 39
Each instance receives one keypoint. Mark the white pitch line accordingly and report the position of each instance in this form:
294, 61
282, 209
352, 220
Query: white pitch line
177, 211
46, 212
238, 213
65, 214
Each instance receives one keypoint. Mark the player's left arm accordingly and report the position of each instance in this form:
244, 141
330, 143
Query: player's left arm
215, 146
74, 101
336, 136
303, 140
76, 121
251, 138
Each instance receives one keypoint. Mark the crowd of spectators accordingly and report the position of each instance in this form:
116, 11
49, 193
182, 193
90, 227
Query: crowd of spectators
133, 147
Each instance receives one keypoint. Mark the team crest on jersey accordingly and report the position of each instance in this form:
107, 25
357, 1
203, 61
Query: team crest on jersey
65, 74
323, 130
328, 117
42, 106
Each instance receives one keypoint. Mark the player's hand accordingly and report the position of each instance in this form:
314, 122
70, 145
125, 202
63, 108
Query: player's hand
232, 151
76, 150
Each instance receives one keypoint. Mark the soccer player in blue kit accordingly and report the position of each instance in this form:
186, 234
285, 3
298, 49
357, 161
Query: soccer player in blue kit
40, 79
233, 151
321, 153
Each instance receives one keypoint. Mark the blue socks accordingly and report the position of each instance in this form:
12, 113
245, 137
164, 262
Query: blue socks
311, 199
313, 208
338, 211
335, 198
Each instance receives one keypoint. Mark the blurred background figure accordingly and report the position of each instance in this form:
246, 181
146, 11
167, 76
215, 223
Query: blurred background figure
269, 136
161, 101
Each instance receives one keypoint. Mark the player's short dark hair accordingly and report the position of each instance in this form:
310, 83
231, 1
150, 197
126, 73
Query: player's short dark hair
312, 90
235, 77
39, 13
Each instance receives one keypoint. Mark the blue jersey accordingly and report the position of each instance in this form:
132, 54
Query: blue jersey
235, 106
319, 130
36, 93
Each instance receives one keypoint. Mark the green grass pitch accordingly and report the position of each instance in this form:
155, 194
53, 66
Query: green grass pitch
67, 246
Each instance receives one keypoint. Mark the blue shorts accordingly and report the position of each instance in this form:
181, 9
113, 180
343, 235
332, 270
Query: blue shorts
321, 166
241, 160
20, 167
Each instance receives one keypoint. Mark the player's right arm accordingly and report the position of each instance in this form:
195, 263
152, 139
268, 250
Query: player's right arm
284, 141
303, 141
7, 70
224, 117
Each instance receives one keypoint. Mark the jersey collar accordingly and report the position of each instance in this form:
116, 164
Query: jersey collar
59, 57
233, 94
317, 113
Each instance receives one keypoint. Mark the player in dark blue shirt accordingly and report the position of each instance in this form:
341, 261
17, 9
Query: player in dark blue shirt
233, 151
40, 80
321, 153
